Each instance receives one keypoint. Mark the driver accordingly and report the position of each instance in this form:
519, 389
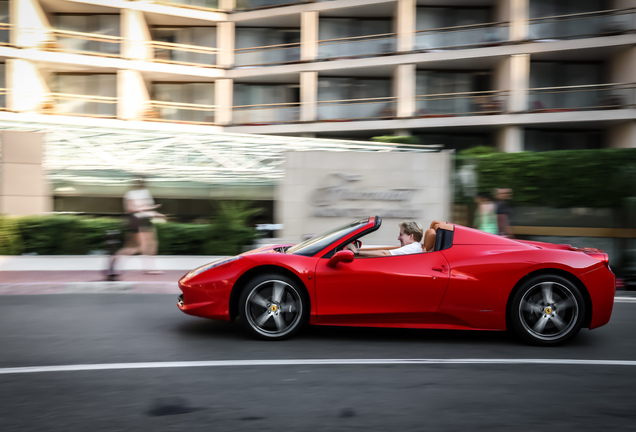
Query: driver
410, 237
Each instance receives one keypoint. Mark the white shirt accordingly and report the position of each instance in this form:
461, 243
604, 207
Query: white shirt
412, 248
139, 199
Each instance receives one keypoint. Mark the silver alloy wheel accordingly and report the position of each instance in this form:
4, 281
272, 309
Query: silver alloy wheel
549, 311
273, 308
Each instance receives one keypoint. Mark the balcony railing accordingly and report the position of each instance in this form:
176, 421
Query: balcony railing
469, 36
585, 97
190, 55
359, 46
588, 24
80, 105
191, 4
461, 104
5, 34
264, 114
260, 4
180, 112
267, 55
3, 99
357, 109
84, 43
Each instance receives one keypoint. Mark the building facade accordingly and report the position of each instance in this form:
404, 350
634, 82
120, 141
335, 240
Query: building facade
516, 74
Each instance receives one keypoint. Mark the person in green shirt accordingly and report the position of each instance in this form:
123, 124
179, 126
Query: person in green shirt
486, 215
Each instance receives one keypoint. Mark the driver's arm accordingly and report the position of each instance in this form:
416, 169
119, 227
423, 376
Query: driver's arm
371, 252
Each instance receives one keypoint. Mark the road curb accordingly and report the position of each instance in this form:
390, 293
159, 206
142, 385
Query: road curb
119, 287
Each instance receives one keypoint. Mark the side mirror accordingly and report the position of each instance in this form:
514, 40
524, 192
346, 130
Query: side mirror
344, 256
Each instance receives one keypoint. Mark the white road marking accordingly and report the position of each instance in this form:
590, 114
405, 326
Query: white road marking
306, 362
624, 299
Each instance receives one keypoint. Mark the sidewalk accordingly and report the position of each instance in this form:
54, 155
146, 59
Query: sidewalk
85, 274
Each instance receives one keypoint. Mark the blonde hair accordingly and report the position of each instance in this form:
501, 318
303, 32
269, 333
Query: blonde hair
412, 227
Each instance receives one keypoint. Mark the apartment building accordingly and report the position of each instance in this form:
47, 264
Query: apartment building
516, 74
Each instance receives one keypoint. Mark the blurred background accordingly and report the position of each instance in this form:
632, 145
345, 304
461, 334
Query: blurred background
203, 98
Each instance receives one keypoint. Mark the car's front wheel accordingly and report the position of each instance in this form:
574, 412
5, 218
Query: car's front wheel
273, 307
547, 310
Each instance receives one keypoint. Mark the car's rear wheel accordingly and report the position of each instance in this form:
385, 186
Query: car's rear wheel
547, 310
273, 307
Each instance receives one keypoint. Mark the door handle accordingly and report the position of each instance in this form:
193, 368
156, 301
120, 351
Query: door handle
440, 268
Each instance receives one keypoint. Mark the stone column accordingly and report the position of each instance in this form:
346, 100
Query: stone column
27, 87
227, 5
404, 90
512, 74
308, 95
31, 26
517, 12
225, 38
405, 25
510, 139
133, 96
224, 94
309, 36
136, 34
623, 135
23, 186
623, 71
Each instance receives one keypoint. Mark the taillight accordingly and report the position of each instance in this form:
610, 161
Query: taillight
601, 256
594, 253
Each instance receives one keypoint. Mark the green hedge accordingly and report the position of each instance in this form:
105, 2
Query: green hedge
567, 178
75, 235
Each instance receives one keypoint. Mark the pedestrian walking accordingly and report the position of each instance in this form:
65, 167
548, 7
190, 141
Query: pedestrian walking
485, 217
503, 196
141, 239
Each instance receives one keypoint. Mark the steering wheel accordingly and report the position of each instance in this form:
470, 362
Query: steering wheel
356, 243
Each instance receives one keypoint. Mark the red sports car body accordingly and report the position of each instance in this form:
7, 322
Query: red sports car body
545, 293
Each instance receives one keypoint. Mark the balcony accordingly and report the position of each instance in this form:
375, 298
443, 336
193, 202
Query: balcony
461, 104
468, 36
242, 5
192, 4
582, 98
375, 108
3, 99
179, 112
265, 114
581, 25
5, 34
267, 55
188, 55
357, 46
80, 105
84, 43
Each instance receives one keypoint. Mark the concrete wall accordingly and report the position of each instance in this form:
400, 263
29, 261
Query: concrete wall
23, 187
323, 190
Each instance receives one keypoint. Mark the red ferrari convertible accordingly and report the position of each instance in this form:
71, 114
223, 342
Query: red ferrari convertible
468, 279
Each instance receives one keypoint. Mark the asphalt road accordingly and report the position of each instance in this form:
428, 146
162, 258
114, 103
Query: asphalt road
140, 330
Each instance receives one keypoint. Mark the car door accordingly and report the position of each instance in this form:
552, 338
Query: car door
392, 289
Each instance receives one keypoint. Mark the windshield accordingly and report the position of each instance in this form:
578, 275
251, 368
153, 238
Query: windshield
316, 244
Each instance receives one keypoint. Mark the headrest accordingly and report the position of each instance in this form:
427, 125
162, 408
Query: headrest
442, 225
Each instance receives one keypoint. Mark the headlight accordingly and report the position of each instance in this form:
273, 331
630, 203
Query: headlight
209, 266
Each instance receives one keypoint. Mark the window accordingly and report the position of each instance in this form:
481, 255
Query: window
354, 89
196, 36
107, 24
185, 93
86, 85
546, 140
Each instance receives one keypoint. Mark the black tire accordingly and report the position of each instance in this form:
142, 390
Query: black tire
273, 307
547, 310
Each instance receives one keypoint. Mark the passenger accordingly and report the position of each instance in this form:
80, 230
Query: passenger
410, 237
